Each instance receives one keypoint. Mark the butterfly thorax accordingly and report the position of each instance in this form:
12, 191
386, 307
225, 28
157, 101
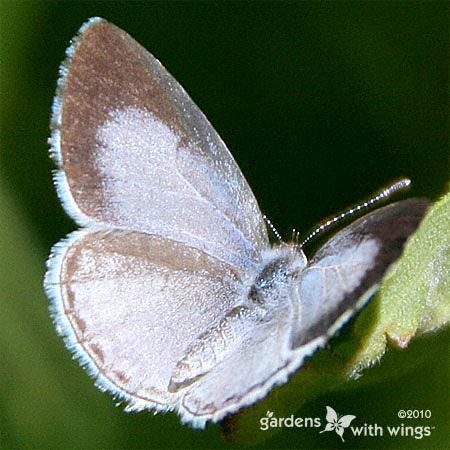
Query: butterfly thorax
280, 266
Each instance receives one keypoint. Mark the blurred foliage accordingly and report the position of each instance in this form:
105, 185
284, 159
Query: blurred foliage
321, 104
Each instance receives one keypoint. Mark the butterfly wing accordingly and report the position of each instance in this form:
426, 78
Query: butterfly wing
135, 152
129, 304
259, 361
346, 271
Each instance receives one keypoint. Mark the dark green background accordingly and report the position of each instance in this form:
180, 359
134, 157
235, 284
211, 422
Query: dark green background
321, 103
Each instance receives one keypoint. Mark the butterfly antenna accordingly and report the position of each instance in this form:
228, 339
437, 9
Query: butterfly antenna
272, 227
400, 185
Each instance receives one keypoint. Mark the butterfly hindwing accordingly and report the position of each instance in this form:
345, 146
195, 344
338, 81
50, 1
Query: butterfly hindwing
129, 304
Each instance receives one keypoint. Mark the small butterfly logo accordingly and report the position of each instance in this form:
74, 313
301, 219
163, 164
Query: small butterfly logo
337, 423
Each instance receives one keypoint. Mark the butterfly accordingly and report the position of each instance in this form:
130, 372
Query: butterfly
170, 294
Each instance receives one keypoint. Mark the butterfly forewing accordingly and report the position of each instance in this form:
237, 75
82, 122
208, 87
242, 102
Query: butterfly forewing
344, 273
135, 152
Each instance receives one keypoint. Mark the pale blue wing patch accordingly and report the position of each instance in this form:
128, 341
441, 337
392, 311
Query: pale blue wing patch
174, 191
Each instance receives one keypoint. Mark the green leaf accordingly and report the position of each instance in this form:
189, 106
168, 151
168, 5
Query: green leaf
413, 301
415, 296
